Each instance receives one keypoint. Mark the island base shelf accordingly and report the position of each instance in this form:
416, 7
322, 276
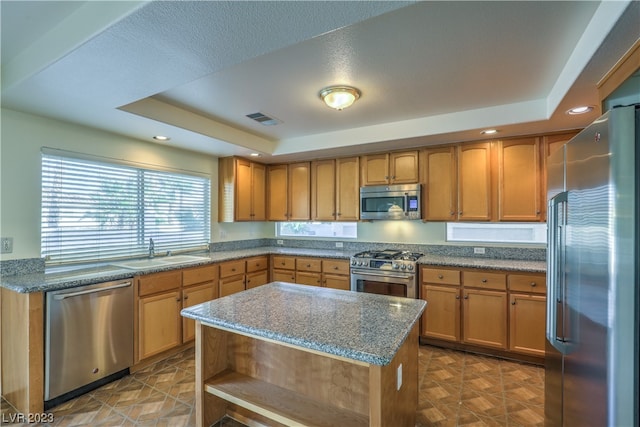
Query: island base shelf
274, 384
279, 404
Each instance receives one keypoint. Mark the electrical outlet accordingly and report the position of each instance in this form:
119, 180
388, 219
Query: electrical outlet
339, 245
6, 245
399, 377
479, 251
280, 242
223, 234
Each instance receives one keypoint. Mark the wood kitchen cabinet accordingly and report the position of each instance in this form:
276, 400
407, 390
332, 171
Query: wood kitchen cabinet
309, 271
390, 168
159, 326
289, 192
329, 273
527, 313
283, 268
241, 190
199, 284
474, 182
161, 296
257, 271
336, 274
484, 309
232, 277
441, 187
550, 144
519, 180
335, 189
497, 312
441, 289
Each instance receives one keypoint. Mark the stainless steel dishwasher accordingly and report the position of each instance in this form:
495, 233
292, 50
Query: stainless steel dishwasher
88, 338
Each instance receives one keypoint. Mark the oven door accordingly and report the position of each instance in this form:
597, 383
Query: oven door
394, 283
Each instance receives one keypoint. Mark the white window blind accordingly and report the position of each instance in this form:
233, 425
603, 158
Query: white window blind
93, 210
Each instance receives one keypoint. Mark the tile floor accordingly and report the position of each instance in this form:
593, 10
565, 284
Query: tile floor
456, 389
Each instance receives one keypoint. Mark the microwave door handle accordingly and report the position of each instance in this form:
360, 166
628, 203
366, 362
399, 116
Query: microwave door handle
406, 203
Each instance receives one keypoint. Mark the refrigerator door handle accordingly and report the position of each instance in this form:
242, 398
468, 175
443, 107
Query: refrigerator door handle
556, 221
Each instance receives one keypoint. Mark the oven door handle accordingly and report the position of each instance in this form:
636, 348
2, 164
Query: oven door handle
391, 276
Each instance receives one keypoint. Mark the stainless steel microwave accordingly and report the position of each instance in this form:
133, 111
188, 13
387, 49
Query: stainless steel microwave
390, 202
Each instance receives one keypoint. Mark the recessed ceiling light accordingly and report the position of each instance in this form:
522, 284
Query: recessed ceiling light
161, 138
580, 110
255, 154
489, 131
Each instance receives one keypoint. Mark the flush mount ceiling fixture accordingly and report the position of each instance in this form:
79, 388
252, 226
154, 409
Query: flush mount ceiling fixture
161, 138
339, 97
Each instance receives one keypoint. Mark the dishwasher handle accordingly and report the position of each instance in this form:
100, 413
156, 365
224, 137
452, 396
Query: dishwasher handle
91, 291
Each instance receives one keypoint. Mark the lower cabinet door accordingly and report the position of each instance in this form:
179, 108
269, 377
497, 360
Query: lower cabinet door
306, 278
258, 278
159, 325
192, 296
527, 317
441, 318
335, 281
231, 285
485, 318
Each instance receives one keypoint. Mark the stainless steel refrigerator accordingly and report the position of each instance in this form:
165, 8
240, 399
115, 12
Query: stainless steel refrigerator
592, 275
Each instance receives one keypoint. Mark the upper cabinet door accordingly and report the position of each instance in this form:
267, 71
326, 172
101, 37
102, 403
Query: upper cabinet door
258, 196
300, 191
348, 189
474, 182
323, 190
440, 190
375, 169
277, 194
403, 167
243, 190
551, 143
519, 176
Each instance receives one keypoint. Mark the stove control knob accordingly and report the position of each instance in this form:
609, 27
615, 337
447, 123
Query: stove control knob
354, 262
363, 263
404, 266
395, 266
410, 267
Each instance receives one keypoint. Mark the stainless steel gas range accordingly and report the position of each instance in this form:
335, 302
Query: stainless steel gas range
388, 272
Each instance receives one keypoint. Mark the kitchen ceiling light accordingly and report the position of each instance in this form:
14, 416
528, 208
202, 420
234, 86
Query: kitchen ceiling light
580, 110
339, 97
161, 138
489, 131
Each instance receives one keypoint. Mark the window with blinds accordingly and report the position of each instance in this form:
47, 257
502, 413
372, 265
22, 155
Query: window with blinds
94, 211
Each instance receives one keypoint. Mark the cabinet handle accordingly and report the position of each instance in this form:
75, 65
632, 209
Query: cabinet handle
336, 268
386, 177
451, 213
457, 296
178, 299
460, 213
466, 297
440, 276
186, 297
484, 280
537, 212
308, 265
393, 177
339, 213
533, 284
513, 302
282, 263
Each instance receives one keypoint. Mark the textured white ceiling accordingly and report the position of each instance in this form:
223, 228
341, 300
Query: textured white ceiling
429, 72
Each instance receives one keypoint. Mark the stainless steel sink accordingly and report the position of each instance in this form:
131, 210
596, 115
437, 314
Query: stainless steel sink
142, 263
158, 262
183, 258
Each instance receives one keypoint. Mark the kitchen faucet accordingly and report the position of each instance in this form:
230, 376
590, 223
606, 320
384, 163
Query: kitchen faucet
152, 248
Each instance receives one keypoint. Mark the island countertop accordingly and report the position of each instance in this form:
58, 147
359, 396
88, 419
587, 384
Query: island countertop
359, 326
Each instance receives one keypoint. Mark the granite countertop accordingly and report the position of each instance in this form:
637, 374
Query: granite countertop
64, 278
485, 263
70, 277
365, 327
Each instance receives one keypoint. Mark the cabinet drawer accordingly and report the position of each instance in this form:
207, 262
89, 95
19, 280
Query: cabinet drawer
284, 276
441, 276
535, 283
191, 276
257, 263
308, 264
484, 280
160, 282
335, 266
284, 262
231, 268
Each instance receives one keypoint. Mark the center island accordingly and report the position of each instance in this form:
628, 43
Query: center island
284, 355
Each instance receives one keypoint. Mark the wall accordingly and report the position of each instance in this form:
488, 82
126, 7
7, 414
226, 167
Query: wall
22, 137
